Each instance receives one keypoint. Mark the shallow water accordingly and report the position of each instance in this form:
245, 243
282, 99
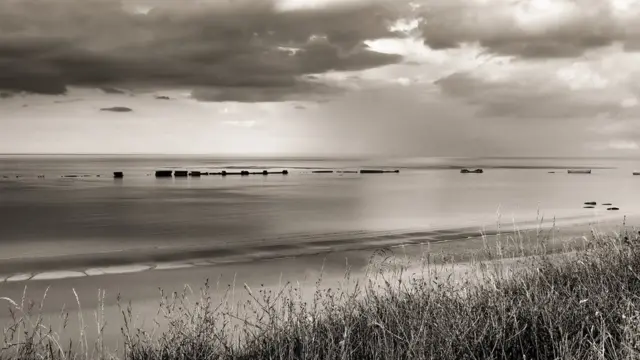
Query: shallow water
55, 215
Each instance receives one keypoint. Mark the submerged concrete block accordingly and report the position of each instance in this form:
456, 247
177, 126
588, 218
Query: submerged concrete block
164, 173
475, 171
579, 171
378, 171
371, 171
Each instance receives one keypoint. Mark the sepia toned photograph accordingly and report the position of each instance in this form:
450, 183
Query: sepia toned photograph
319, 179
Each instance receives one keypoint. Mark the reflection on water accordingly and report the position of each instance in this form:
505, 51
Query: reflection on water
56, 215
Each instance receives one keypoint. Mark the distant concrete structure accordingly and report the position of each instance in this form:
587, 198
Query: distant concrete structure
378, 171
579, 171
164, 173
180, 173
120, 109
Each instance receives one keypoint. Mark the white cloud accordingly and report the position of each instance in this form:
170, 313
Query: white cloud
623, 145
629, 102
293, 5
579, 76
604, 82
619, 145
407, 25
404, 81
531, 28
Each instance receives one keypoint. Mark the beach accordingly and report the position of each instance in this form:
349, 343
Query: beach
140, 285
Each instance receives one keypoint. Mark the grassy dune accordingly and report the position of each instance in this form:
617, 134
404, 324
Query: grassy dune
580, 304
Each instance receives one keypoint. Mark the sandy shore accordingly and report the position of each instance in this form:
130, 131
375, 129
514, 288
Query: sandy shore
139, 282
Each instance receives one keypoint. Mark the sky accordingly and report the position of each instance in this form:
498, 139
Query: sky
321, 77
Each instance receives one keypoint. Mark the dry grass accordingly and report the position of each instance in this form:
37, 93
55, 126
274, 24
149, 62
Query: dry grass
580, 305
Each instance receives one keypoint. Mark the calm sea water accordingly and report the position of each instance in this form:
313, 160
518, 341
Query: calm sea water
55, 215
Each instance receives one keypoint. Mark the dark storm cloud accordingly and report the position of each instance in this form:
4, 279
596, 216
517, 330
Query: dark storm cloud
567, 29
110, 90
291, 92
67, 101
49, 45
117, 109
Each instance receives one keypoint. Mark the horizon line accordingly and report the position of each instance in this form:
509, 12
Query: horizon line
322, 156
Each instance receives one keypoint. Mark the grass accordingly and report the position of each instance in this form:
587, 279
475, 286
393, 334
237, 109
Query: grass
580, 304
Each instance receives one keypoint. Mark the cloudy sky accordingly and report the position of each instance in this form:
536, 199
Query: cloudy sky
321, 77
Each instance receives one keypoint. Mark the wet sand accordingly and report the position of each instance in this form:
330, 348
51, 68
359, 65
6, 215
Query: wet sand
139, 283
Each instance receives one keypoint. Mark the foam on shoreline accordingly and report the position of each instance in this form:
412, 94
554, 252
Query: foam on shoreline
19, 277
55, 275
110, 270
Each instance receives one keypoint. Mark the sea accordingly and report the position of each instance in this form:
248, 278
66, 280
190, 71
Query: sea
71, 206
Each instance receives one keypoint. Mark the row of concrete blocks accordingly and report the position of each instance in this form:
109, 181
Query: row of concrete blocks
184, 173
355, 171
